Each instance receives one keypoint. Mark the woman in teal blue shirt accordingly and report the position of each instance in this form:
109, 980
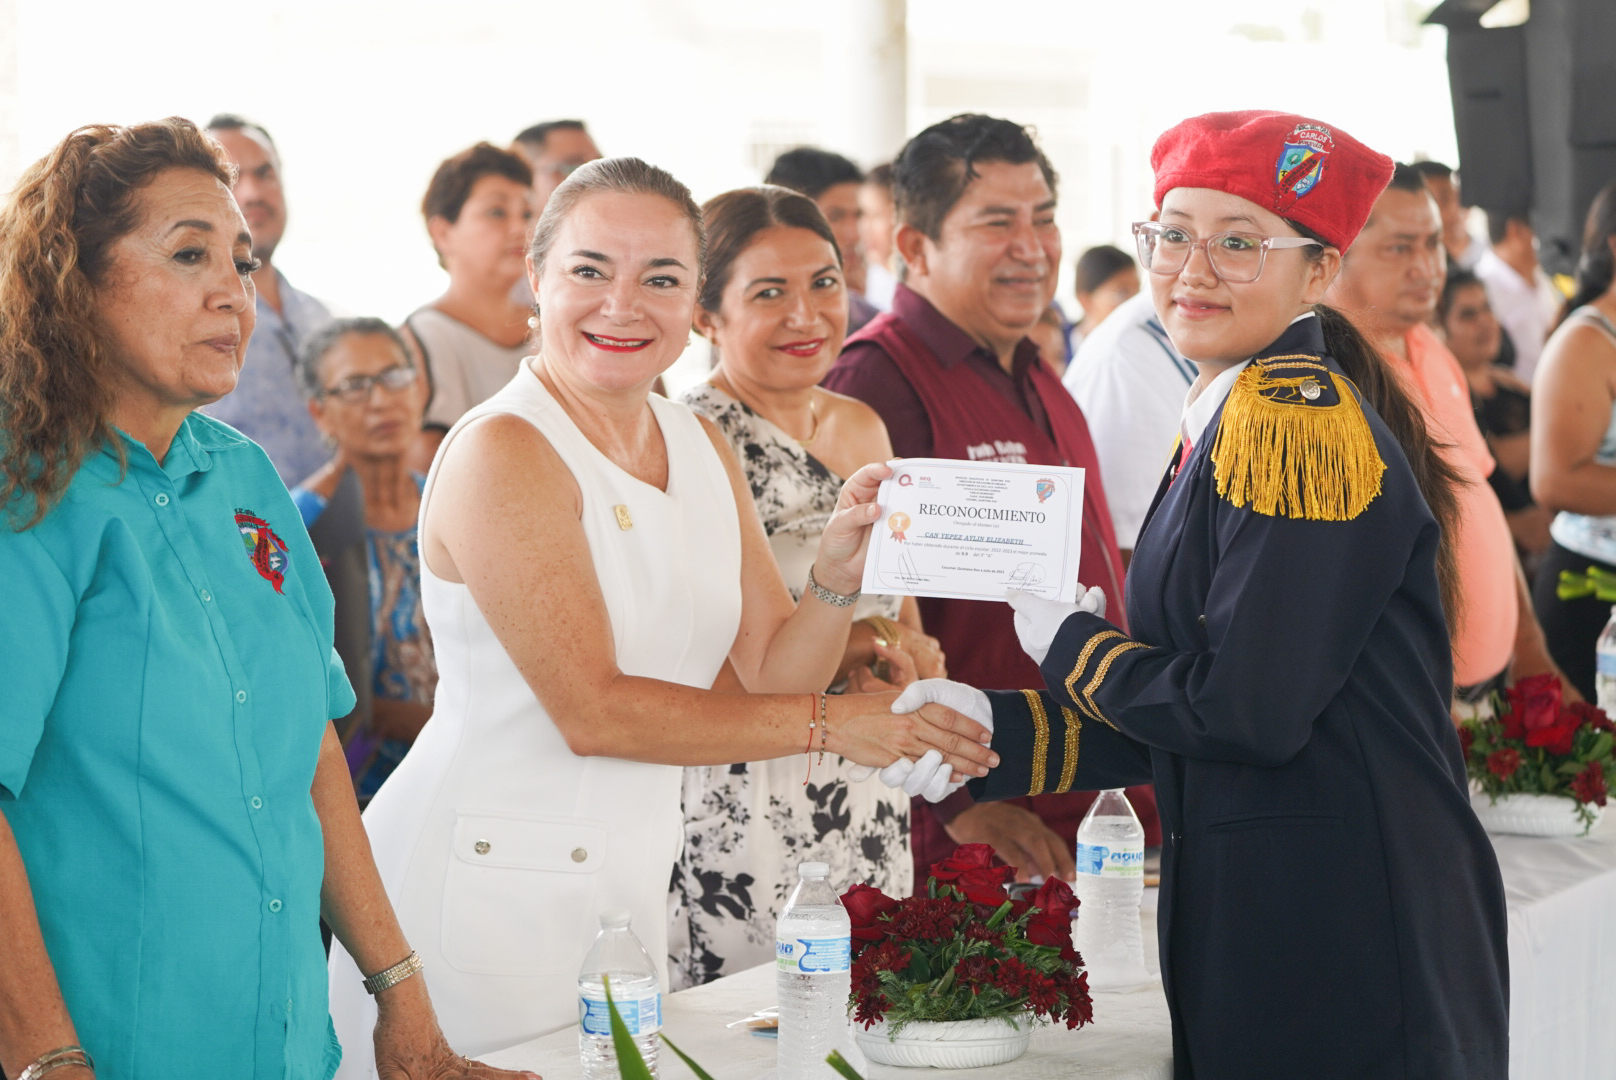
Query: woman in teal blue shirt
175, 812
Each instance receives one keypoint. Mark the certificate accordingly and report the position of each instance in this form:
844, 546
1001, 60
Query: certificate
972, 530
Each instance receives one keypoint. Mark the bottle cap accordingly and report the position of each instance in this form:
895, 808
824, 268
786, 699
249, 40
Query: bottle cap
616, 919
813, 869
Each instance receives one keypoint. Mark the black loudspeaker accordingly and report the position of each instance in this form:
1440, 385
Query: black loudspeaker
1535, 111
1487, 75
1571, 93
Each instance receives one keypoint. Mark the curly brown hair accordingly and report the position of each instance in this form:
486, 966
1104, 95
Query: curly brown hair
56, 233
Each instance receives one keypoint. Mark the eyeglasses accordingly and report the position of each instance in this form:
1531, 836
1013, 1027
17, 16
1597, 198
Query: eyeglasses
1235, 257
355, 389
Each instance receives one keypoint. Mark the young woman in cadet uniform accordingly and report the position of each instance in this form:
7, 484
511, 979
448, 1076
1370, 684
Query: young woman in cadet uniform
1330, 906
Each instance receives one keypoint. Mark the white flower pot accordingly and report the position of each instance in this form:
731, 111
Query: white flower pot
1531, 815
947, 1044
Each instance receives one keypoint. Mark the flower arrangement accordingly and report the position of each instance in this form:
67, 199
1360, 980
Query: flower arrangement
1539, 744
966, 950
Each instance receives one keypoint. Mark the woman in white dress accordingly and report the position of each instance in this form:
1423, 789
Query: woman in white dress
774, 304
590, 559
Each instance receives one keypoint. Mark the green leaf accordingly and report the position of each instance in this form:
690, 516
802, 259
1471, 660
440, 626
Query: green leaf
1550, 784
998, 916
701, 1073
1570, 768
1602, 746
630, 1066
919, 971
839, 1063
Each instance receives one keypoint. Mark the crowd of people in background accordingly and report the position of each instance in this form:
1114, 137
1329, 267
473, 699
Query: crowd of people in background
853, 315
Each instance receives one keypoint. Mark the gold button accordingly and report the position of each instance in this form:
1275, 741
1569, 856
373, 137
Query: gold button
579, 854
481, 847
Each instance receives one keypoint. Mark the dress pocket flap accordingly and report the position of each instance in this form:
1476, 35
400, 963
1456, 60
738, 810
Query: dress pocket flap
556, 845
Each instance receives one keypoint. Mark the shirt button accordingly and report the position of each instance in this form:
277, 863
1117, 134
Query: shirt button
257, 803
161, 500
274, 905
241, 697
206, 596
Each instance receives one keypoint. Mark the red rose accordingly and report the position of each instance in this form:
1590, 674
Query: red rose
966, 857
1051, 924
1056, 897
1534, 702
988, 896
1466, 739
865, 906
1503, 763
1589, 785
1555, 736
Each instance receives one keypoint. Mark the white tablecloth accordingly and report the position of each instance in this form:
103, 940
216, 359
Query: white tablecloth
1562, 954
1561, 896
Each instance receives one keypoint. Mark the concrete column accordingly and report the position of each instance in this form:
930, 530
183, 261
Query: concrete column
867, 78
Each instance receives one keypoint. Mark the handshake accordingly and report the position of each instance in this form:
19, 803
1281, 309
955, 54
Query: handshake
1037, 622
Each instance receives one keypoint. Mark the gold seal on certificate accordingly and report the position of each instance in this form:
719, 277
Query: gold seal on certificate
973, 530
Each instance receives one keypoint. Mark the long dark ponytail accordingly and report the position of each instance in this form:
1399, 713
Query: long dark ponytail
1597, 267
1383, 388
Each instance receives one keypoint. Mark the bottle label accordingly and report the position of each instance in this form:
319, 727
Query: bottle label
1102, 861
813, 955
1605, 663
641, 1015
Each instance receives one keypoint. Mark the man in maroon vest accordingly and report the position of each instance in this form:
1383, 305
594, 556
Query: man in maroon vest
952, 372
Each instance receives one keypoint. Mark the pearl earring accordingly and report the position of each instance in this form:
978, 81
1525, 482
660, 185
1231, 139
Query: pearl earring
532, 322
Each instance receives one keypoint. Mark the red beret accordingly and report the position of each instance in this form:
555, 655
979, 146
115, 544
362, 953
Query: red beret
1301, 169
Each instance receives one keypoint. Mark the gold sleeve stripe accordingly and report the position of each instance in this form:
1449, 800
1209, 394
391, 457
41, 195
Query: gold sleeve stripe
1083, 660
1040, 742
1099, 676
1074, 728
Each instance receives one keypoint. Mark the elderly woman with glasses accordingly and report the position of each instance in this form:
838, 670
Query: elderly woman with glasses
1286, 673
366, 397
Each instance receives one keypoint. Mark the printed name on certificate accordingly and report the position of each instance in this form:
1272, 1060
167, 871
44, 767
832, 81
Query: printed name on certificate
975, 530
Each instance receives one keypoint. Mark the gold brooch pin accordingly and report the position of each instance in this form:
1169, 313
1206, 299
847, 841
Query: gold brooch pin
624, 521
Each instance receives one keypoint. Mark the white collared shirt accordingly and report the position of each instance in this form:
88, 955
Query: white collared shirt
1527, 309
1130, 382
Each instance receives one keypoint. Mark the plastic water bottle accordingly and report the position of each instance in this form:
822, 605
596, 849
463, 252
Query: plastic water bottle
813, 945
618, 955
1605, 666
1110, 885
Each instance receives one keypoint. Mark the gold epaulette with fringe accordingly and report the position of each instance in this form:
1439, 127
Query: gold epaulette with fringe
1294, 442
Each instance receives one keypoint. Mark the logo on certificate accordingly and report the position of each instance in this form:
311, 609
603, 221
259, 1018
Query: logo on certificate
897, 523
905, 480
1045, 488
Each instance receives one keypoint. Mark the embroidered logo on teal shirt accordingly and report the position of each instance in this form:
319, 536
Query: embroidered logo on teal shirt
266, 550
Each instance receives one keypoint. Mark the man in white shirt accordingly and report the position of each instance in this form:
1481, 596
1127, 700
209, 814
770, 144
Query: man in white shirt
1521, 294
1130, 383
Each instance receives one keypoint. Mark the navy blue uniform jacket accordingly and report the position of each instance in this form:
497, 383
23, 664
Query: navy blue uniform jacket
1330, 906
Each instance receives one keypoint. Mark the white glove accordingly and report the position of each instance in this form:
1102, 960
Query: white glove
1039, 620
929, 777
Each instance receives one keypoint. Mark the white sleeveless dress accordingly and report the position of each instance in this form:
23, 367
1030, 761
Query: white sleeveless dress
498, 846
